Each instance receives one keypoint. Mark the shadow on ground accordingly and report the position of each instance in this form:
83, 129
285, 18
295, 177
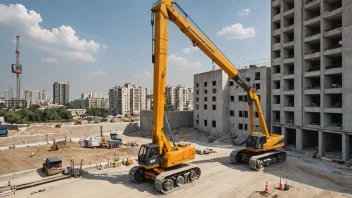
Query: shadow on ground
295, 172
123, 179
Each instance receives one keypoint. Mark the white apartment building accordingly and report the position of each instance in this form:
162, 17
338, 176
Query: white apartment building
35, 95
91, 103
150, 100
92, 95
8, 94
178, 97
127, 99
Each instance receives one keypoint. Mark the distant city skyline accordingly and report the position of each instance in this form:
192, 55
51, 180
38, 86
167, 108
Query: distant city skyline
82, 51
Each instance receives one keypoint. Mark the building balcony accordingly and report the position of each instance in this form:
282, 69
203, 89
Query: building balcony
333, 32
276, 107
289, 92
288, 28
277, 17
290, 59
289, 76
289, 44
312, 109
289, 122
314, 36
277, 75
276, 121
309, 4
277, 61
333, 109
333, 69
312, 89
276, 46
275, 3
333, 50
312, 72
332, 12
289, 13
276, 91
312, 54
334, 88
276, 32
289, 109
313, 21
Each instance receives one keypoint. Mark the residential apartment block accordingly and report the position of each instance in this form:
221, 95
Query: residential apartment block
178, 96
61, 93
311, 74
35, 95
221, 106
91, 103
150, 100
92, 95
8, 94
127, 99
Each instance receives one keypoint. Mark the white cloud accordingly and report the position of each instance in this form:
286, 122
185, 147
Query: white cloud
183, 64
48, 60
105, 47
244, 12
190, 50
18, 19
70, 55
144, 74
237, 31
97, 73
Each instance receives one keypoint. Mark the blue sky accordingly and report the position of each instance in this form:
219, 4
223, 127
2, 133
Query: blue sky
96, 45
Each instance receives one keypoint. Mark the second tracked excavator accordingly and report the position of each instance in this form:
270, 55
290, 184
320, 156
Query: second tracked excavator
166, 163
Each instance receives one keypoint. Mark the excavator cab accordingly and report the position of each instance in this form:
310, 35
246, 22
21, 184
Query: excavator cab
256, 141
149, 155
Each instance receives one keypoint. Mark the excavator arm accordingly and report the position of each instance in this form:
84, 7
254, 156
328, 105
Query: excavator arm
164, 11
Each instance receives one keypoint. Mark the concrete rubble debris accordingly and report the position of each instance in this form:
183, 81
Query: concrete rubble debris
37, 191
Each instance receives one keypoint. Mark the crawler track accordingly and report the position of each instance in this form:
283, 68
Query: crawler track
257, 161
171, 180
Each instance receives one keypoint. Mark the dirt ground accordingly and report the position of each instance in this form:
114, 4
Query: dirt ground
19, 159
219, 179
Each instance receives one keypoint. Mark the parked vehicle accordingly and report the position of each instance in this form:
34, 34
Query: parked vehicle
52, 166
4, 131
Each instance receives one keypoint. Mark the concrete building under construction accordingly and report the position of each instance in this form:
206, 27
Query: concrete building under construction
311, 69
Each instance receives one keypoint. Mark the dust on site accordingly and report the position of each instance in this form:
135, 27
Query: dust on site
306, 176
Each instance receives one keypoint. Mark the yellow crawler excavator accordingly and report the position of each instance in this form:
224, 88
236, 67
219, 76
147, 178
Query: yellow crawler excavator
166, 164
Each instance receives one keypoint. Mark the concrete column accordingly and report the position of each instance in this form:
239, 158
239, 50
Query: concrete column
284, 132
320, 142
299, 139
345, 147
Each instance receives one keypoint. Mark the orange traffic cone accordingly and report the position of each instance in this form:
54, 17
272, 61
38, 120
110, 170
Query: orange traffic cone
266, 191
281, 184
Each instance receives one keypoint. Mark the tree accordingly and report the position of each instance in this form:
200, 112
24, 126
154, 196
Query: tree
13, 117
2, 105
70, 105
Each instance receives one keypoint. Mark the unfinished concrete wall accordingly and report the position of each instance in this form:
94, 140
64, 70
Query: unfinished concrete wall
176, 119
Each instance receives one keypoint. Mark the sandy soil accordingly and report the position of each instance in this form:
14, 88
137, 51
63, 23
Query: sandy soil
37, 133
220, 178
14, 160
